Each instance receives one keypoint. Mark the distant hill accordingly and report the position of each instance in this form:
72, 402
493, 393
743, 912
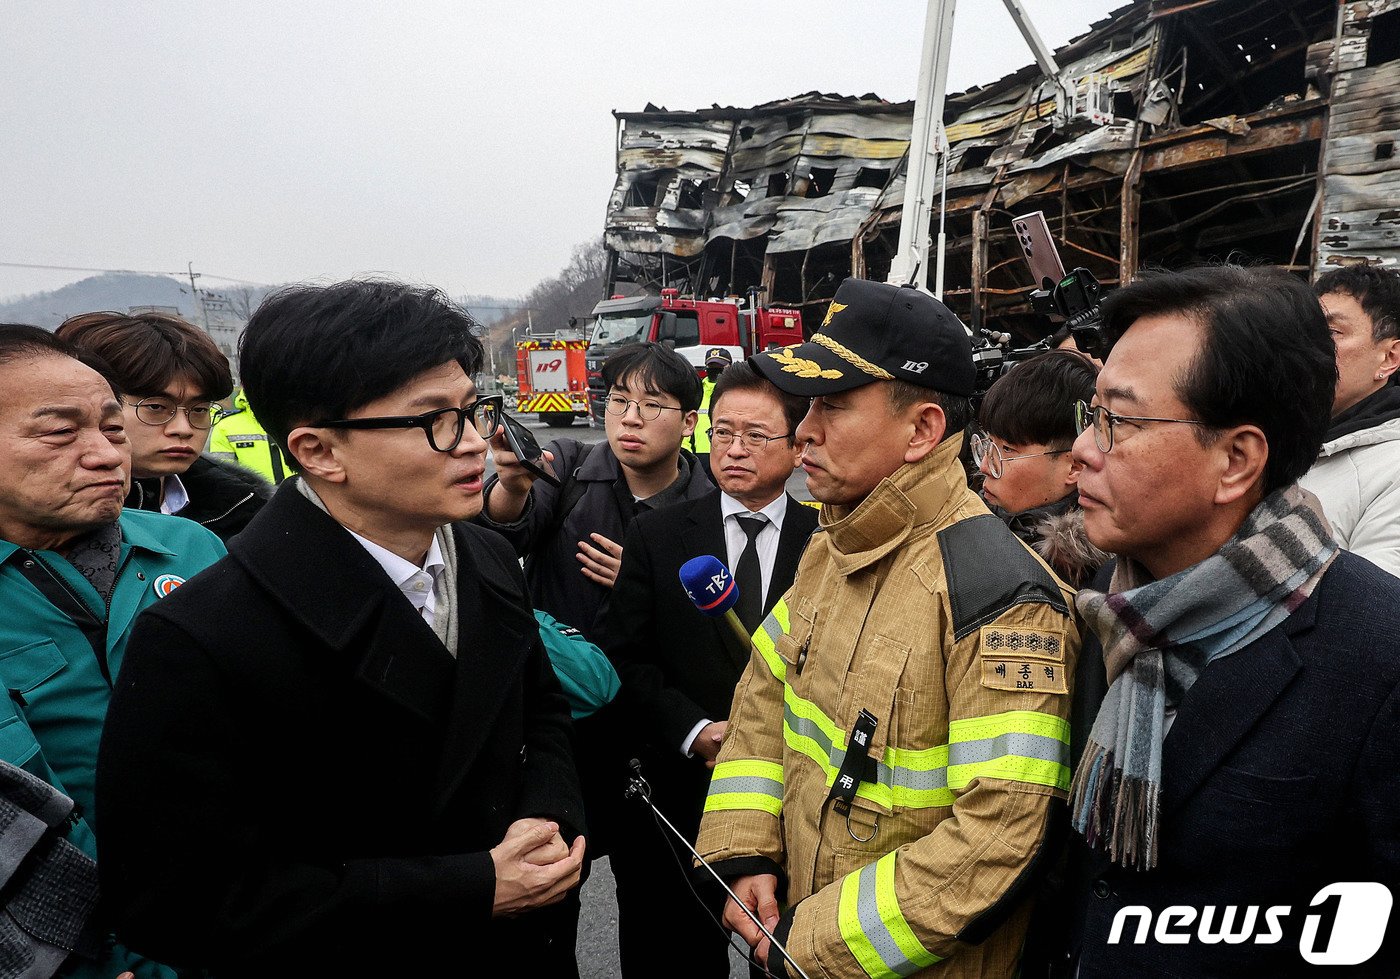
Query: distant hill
489, 310
112, 290
121, 290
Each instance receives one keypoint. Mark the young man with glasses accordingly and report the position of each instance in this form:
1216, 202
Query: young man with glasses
172, 377
679, 668
345, 752
1029, 478
1242, 675
571, 536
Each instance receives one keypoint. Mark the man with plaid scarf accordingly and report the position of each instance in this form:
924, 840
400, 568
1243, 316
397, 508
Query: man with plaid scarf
1235, 802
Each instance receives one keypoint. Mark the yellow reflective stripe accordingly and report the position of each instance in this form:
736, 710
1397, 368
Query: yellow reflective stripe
1021, 721
766, 637
744, 801
1019, 746
872, 926
750, 767
1030, 770
848, 918
887, 903
748, 783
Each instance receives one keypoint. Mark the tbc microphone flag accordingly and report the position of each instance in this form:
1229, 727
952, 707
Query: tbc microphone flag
713, 591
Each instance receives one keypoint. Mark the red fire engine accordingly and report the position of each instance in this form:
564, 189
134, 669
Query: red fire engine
692, 325
553, 379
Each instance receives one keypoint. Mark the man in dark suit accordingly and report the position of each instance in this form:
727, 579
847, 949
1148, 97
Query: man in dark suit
679, 668
343, 750
1236, 810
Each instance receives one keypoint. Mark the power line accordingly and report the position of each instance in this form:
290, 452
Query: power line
84, 268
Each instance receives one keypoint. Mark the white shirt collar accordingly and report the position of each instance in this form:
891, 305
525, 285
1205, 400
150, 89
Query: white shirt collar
174, 496
775, 511
399, 570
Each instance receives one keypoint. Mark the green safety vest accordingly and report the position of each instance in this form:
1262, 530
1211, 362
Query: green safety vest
239, 437
700, 439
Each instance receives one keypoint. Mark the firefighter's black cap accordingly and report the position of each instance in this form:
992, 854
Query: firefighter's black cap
876, 332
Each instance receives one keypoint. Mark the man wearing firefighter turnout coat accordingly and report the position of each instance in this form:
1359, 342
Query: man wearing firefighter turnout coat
899, 741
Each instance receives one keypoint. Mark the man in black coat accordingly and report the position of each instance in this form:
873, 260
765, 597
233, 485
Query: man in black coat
1236, 810
343, 750
679, 668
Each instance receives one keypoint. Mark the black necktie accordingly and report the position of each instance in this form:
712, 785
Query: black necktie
749, 575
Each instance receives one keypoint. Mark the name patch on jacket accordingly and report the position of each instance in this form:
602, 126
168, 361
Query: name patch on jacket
1023, 659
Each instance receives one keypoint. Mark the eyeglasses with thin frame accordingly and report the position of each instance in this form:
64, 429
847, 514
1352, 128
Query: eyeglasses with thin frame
648, 411
1104, 422
444, 427
987, 454
159, 412
751, 440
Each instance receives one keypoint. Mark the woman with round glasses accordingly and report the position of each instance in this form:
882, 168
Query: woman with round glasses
1030, 479
172, 377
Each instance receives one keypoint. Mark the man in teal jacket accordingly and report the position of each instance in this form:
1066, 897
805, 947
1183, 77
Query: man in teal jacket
74, 573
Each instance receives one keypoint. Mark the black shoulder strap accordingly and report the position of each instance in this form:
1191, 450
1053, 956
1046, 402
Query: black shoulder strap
989, 571
569, 494
61, 597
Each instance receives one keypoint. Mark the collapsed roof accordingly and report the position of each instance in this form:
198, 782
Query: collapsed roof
1189, 130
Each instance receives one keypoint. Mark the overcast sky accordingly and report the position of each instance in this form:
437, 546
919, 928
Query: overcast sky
466, 144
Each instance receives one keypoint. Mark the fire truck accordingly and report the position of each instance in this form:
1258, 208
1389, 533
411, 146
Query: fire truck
692, 326
553, 378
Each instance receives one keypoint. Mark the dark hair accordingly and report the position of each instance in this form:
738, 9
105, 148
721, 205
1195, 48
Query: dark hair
656, 368
957, 409
319, 352
148, 351
1267, 360
19, 340
744, 376
1034, 402
1375, 287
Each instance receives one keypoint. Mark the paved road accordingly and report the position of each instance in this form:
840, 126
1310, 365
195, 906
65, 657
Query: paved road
597, 930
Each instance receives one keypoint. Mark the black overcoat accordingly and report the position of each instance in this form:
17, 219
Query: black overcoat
298, 779
1280, 776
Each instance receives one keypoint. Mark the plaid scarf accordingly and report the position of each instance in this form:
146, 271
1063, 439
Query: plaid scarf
1158, 636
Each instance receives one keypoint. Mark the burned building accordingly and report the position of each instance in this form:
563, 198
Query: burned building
1186, 131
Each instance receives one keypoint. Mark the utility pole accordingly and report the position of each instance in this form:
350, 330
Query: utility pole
204, 313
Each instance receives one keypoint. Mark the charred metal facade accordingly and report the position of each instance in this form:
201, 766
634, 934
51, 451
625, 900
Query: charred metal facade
1191, 130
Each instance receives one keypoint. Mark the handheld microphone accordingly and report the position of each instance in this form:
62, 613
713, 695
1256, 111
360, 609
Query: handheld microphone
714, 592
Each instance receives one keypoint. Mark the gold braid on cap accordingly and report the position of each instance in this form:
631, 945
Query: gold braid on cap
851, 357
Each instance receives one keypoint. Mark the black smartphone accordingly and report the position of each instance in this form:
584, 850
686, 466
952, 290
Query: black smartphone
527, 450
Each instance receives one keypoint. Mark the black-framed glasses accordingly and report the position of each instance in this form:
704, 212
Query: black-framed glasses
990, 456
160, 411
648, 411
1104, 422
444, 427
751, 440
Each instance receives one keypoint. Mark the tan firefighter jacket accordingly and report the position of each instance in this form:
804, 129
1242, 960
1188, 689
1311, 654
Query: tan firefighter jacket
921, 608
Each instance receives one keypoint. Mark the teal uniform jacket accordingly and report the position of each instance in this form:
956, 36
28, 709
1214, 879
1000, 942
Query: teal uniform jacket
51, 722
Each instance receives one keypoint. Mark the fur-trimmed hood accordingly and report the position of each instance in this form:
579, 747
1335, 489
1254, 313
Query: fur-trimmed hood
1060, 539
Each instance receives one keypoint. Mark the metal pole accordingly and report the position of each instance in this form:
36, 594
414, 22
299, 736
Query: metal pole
943, 148
911, 261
